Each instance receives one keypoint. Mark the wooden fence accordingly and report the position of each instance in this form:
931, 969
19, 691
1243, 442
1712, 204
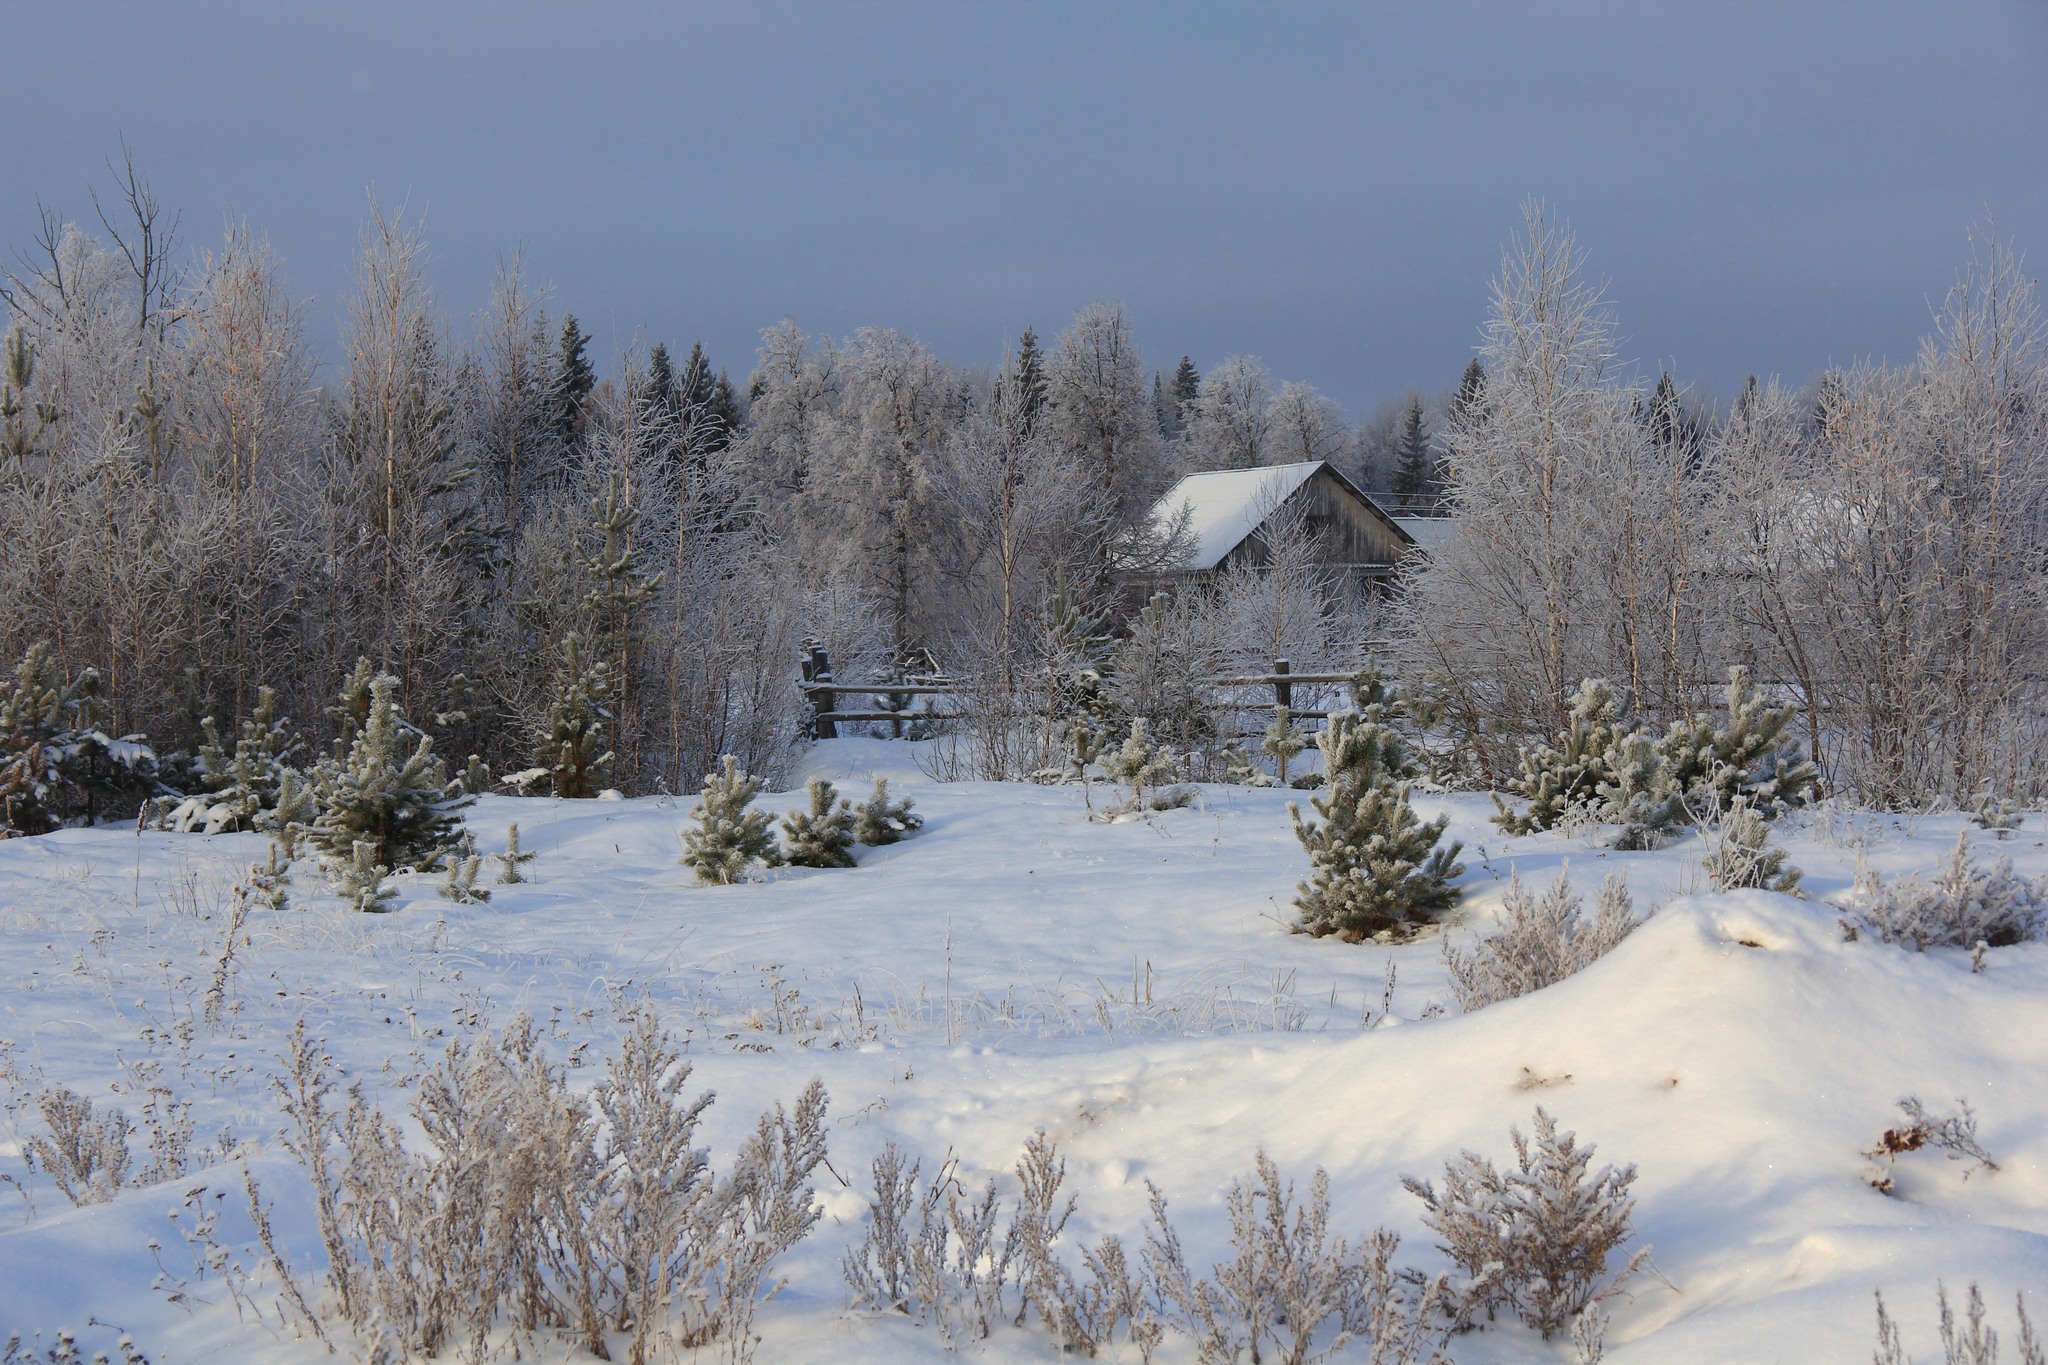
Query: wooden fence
827, 715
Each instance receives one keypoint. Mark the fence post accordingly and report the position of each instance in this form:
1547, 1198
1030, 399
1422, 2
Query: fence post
824, 700
1283, 690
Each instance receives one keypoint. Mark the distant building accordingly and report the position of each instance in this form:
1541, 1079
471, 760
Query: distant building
1229, 509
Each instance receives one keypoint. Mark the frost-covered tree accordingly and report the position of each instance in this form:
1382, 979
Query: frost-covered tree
1556, 777
55, 764
728, 835
823, 835
1303, 425
1375, 867
1098, 412
388, 794
882, 819
571, 756
1231, 420
1283, 742
1754, 757
239, 786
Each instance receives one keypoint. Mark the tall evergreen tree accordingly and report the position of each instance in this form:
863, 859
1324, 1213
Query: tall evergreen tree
574, 379
1187, 385
1470, 399
1415, 479
1028, 375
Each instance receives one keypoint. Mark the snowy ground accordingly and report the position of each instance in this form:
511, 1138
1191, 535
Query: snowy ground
1128, 987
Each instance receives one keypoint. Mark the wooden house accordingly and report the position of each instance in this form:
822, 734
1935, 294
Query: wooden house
1228, 509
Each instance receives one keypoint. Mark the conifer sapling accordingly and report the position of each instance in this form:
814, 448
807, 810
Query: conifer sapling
823, 835
1283, 741
729, 836
513, 858
402, 804
880, 820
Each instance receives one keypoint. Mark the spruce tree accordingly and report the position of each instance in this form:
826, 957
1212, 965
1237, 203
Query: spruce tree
1028, 378
1375, 867
726, 417
823, 836
1468, 404
729, 835
401, 806
573, 380
571, 752
1187, 386
880, 820
1415, 464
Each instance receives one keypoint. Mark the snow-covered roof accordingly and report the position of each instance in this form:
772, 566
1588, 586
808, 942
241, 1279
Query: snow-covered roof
1226, 505
1426, 532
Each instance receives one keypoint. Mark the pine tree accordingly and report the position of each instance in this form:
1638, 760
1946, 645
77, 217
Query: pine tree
1556, 777
573, 381
240, 787
822, 836
1283, 741
1415, 467
401, 806
1745, 858
1375, 868
1755, 757
571, 751
879, 820
1639, 793
359, 877
464, 862
351, 711
513, 859
55, 764
618, 590
729, 836
1141, 765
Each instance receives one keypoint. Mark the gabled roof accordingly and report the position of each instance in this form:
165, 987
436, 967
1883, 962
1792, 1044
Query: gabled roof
1226, 505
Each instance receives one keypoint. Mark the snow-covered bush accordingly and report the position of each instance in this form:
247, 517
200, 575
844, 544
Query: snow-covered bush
1961, 905
239, 789
1160, 673
531, 1208
823, 835
881, 819
1537, 1238
55, 765
1974, 1342
1743, 857
1375, 867
729, 836
1540, 941
401, 804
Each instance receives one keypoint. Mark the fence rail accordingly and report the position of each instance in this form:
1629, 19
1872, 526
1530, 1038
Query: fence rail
823, 692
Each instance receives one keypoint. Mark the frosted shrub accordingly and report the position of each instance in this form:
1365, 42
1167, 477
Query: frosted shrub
1540, 941
1955, 1135
1973, 1342
823, 835
1961, 905
1743, 858
1375, 868
530, 1209
730, 836
882, 819
1535, 1239
85, 1151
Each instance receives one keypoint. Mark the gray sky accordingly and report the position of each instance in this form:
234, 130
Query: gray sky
1767, 186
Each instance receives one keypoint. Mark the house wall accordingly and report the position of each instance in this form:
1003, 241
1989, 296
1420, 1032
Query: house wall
1353, 536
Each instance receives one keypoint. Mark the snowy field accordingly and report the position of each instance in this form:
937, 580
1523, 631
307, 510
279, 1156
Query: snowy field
1128, 987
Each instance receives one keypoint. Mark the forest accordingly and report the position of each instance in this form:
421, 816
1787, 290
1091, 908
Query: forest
203, 513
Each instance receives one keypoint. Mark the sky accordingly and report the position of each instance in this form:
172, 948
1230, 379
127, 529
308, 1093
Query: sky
1767, 187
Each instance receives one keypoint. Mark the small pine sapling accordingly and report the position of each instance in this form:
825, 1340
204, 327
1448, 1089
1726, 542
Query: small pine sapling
1375, 867
1239, 769
2001, 815
271, 880
570, 751
475, 777
402, 804
729, 836
880, 820
464, 862
1639, 794
1745, 859
238, 787
1755, 757
360, 880
291, 814
1557, 777
823, 836
513, 859
1283, 741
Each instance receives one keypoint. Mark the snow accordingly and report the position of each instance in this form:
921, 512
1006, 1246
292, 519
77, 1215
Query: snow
1226, 505
1426, 532
1130, 988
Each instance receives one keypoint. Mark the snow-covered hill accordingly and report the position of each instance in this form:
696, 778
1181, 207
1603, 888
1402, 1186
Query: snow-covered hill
1128, 987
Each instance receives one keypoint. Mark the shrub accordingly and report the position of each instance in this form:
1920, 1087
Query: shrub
730, 836
1954, 1135
1537, 1238
86, 1151
1539, 942
1743, 858
1961, 905
1375, 867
